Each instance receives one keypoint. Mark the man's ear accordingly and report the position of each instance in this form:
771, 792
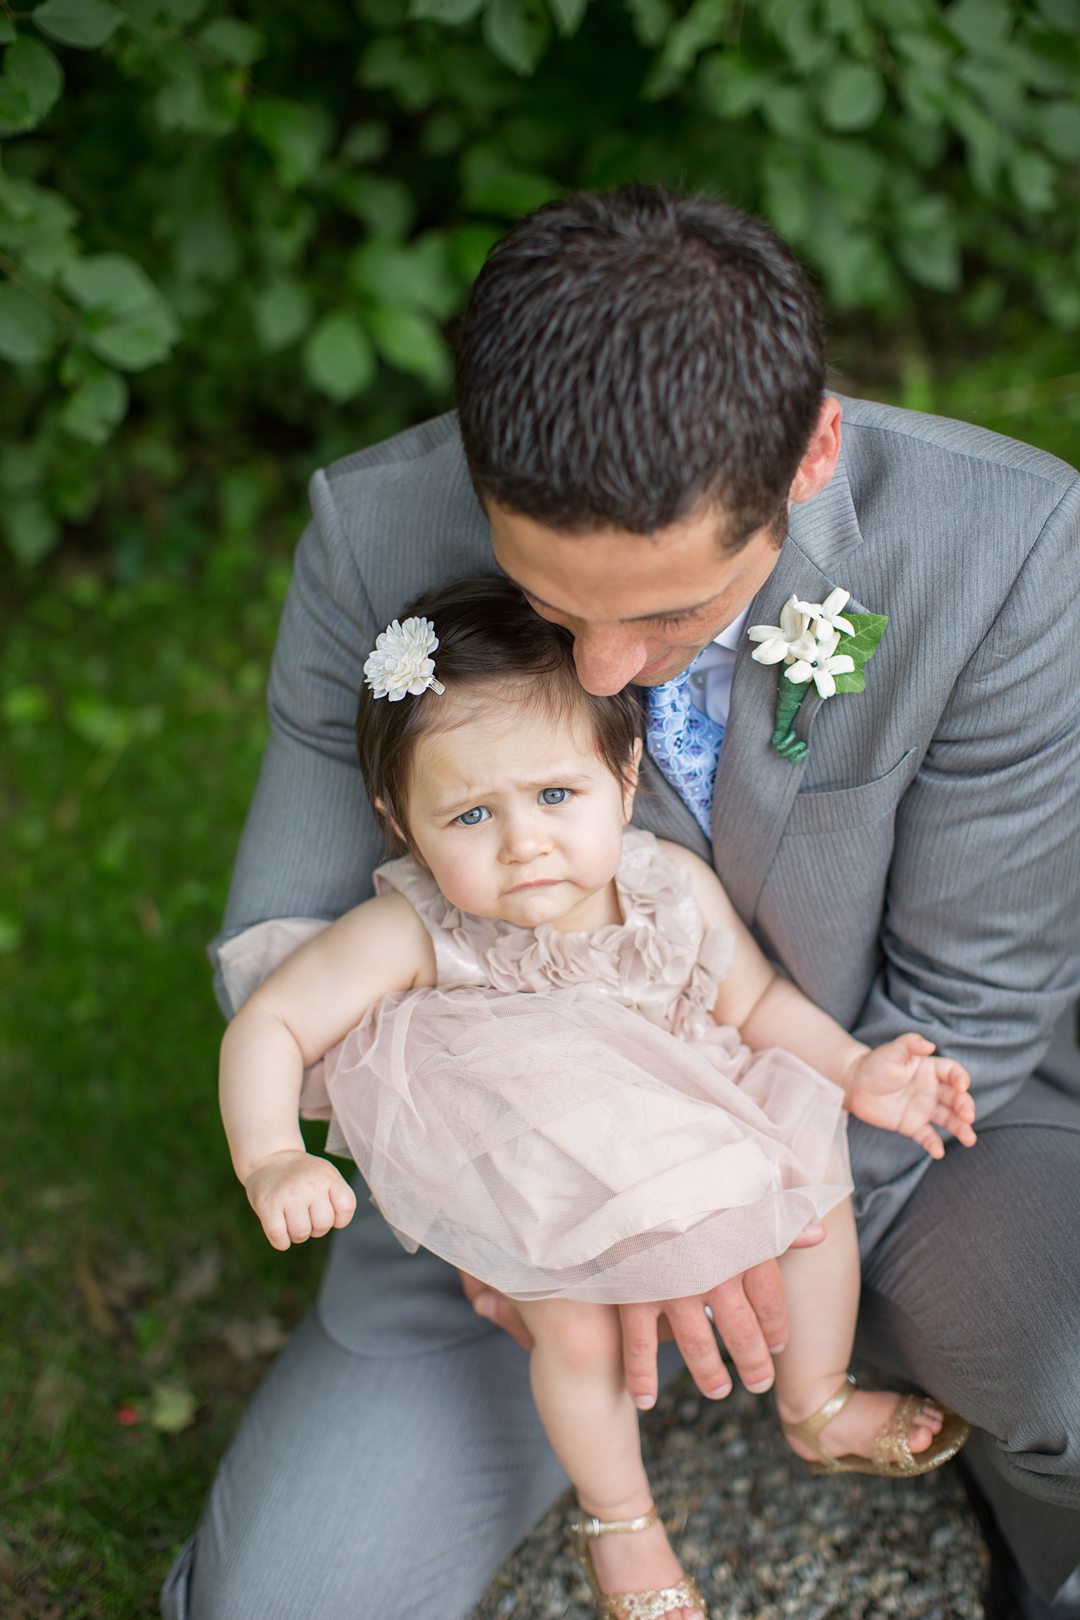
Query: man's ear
630, 780
820, 456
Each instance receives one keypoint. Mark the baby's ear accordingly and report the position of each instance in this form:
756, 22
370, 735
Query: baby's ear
390, 821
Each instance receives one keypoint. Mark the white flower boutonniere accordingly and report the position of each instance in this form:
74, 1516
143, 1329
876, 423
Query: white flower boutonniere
817, 644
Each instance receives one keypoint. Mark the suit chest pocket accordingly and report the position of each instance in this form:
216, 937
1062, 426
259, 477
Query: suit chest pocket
815, 814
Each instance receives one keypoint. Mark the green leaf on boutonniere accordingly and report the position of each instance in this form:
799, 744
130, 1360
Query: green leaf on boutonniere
869, 629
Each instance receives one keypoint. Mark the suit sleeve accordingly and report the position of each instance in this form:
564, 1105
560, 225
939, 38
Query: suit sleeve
310, 842
981, 944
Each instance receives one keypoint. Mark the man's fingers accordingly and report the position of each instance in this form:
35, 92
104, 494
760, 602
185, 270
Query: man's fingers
639, 1334
496, 1308
697, 1342
751, 1319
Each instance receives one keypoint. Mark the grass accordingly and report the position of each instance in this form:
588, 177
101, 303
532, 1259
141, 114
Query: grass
146, 1302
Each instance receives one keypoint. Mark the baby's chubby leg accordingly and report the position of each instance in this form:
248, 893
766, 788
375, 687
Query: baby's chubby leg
580, 1391
821, 1287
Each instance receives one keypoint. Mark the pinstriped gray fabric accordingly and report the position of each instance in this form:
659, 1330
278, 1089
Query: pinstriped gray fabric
918, 869
930, 827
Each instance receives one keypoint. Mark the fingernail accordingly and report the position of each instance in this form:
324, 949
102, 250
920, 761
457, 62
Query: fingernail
484, 1306
644, 1403
719, 1392
775, 1349
760, 1388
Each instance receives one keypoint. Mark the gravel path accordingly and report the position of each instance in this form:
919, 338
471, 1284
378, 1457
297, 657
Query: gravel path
767, 1540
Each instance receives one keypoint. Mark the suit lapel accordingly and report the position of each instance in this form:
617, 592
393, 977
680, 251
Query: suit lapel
755, 786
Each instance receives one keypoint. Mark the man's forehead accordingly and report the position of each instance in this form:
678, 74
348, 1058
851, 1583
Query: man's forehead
621, 577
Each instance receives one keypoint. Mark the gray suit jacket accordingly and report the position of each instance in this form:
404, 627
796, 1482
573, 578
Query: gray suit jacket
919, 870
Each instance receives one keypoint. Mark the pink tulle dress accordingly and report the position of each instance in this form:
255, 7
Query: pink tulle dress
561, 1115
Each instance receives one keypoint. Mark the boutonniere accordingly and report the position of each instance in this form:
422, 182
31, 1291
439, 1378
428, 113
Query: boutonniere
818, 644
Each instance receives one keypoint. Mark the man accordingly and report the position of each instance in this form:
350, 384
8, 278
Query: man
652, 457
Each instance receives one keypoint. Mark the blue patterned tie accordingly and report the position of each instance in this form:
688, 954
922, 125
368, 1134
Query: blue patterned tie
685, 744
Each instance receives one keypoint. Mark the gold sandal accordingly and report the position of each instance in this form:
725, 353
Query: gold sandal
651, 1604
892, 1454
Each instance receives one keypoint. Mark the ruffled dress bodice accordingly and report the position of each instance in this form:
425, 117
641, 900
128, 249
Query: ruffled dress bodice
560, 1114
661, 960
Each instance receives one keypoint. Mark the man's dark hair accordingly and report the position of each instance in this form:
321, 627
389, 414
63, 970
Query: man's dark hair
491, 642
628, 355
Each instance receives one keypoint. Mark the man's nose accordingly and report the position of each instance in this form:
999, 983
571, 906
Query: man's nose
607, 660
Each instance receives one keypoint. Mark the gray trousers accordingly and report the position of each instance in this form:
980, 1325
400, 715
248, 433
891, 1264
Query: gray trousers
391, 1468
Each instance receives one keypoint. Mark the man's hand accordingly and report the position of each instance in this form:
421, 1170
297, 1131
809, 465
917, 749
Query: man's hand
495, 1307
298, 1195
748, 1313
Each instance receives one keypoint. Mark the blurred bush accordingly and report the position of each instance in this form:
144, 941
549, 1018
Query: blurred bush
232, 244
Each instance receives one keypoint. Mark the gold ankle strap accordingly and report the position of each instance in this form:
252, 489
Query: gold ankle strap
613, 1527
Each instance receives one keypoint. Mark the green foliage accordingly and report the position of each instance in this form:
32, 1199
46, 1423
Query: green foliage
218, 230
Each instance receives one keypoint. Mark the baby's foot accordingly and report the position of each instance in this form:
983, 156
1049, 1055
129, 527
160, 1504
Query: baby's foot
854, 1429
640, 1561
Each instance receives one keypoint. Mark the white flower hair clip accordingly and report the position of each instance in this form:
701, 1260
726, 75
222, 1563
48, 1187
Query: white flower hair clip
401, 661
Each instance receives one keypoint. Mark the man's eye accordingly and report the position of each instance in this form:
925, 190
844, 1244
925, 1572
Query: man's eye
554, 795
473, 817
673, 624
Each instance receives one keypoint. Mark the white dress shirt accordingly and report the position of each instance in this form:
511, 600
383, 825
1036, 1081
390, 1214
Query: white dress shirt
714, 670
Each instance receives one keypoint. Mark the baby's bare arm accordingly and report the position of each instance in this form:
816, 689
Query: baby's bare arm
309, 1003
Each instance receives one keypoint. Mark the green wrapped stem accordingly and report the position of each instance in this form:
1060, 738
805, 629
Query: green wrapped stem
784, 740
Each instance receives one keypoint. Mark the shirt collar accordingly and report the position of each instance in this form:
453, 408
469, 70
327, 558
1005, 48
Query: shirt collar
732, 635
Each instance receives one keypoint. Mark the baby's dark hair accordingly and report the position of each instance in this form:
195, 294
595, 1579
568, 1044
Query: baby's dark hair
489, 636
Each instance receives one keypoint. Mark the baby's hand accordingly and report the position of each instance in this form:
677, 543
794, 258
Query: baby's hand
297, 1195
901, 1087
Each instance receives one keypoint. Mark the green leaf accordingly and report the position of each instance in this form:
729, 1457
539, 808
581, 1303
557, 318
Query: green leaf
787, 111
97, 403
32, 531
412, 277
855, 682
651, 20
32, 80
1063, 14
703, 25
85, 24
28, 332
338, 357
7, 29
451, 13
128, 322
1032, 178
852, 95
568, 15
282, 311
1059, 125
172, 1408
36, 227
729, 87
978, 24
25, 705
869, 629
518, 32
493, 186
233, 40
365, 143
411, 342
295, 133
385, 206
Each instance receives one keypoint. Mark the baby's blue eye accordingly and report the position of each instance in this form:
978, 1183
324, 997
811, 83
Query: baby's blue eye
554, 795
473, 817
